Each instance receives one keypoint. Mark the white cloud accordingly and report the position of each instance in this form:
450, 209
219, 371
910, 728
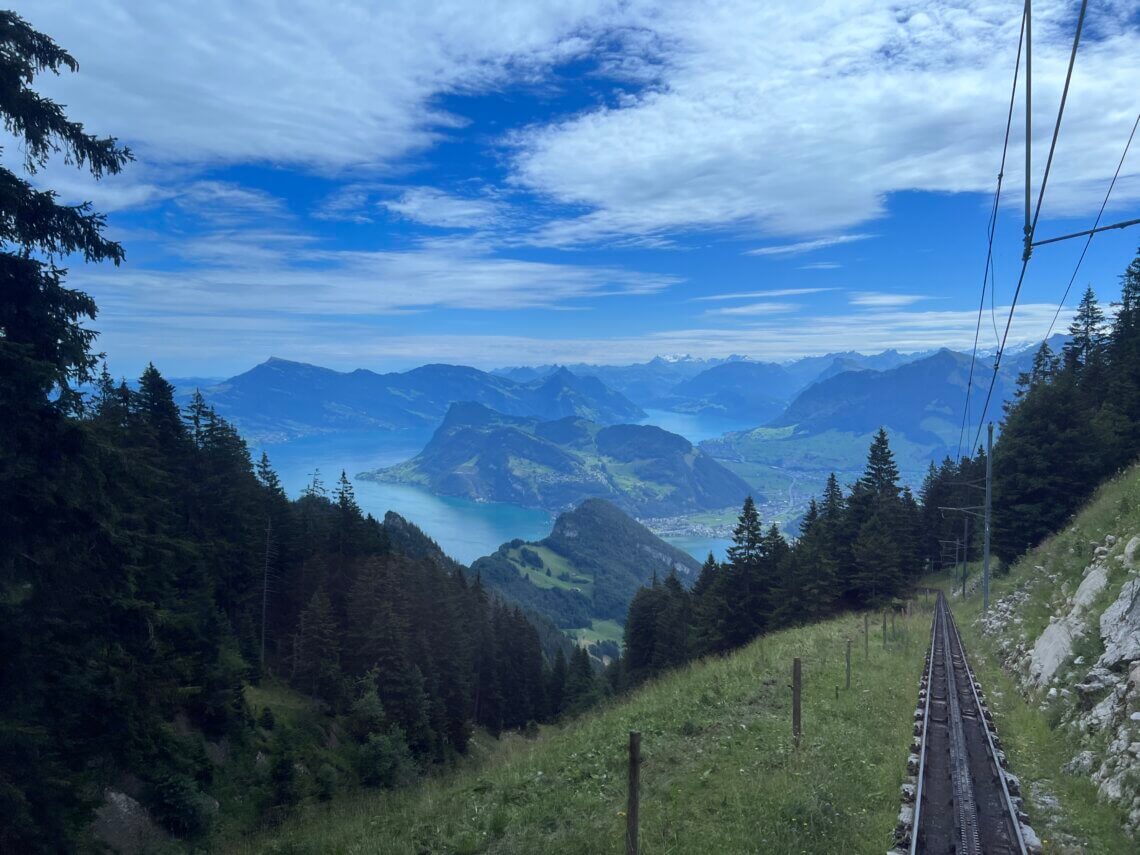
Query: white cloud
327, 87
800, 119
250, 273
766, 118
807, 245
820, 265
223, 202
882, 300
433, 207
752, 309
748, 295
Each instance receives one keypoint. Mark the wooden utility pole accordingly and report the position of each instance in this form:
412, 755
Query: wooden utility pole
989, 499
848, 663
634, 803
796, 678
265, 588
965, 551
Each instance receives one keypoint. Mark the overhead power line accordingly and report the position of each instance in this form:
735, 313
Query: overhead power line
1093, 230
1031, 226
991, 228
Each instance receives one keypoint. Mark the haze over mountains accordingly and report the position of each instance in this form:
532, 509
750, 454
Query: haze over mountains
279, 399
533, 438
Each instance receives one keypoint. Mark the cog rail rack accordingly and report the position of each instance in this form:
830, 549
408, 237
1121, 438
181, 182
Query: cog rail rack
962, 801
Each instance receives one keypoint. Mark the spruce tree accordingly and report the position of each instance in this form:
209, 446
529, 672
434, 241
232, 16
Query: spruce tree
268, 477
61, 599
1087, 334
318, 651
556, 685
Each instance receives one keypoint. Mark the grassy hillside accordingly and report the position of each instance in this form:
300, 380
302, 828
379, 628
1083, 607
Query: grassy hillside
583, 576
1064, 807
720, 771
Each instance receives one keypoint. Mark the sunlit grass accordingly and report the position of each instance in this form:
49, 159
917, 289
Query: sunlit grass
721, 772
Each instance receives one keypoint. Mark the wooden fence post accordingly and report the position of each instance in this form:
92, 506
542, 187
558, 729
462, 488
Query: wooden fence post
634, 793
796, 679
848, 686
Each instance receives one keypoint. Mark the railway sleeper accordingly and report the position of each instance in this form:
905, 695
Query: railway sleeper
939, 717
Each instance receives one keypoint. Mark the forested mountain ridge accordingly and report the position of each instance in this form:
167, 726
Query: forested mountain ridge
481, 454
280, 399
587, 569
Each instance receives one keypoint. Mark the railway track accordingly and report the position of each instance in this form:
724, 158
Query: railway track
963, 799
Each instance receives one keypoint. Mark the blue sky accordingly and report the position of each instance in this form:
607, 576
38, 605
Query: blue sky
379, 185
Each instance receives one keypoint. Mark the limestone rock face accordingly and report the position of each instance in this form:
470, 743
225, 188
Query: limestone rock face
1120, 627
1099, 706
1055, 645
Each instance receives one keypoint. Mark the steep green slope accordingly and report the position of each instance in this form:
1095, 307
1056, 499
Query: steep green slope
587, 570
482, 454
720, 771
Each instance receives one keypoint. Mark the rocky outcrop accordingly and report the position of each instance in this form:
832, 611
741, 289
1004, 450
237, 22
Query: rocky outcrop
1055, 645
123, 825
1120, 627
1098, 703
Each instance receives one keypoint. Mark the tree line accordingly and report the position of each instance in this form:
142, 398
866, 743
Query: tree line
1074, 422
859, 549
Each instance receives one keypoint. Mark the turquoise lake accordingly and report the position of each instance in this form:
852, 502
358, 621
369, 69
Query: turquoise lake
465, 529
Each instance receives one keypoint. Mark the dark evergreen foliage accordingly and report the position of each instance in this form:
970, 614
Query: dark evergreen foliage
1075, 422
858, 550
149, 572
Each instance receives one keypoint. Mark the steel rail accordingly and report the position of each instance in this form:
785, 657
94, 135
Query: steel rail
918, 790
965, 802
1007, 799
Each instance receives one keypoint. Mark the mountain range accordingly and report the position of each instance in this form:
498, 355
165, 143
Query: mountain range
482, 454
279, 400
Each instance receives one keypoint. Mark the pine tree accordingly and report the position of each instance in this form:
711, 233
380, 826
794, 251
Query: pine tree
706, 608
581, 686
346, 497
1087, 334
156, 405
882, 473
671, 635
556, 685
268, 477
832, 506
61, 598
318, 651
641, 632
1123, 354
